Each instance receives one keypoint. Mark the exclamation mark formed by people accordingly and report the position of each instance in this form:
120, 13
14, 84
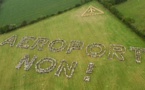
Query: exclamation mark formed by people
89, 71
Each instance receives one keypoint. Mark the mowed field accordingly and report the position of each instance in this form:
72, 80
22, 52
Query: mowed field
135, 10
107, 74
16, 11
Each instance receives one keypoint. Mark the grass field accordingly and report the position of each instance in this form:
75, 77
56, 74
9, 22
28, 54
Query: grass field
135, 10
107, 75
16, 11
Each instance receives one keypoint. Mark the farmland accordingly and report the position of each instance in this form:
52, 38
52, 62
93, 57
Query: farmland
16, 11
107, 74
134, 9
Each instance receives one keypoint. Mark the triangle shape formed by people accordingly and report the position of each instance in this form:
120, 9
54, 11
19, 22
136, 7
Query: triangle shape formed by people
91, 10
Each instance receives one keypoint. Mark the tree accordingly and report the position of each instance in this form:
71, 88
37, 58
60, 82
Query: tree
0, 1
24, 23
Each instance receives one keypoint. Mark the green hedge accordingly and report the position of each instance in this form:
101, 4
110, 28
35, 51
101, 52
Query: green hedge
126, 20
8, 28
1, 1
112, 1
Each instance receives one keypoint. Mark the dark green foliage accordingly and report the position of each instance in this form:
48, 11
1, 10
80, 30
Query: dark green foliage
1, 1
59, 12
119, 1
126, 20
24, 23
112, 1
117, 13
85, 1
77, 5
9, 28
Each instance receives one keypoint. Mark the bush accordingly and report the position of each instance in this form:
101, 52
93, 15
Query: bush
7, 28
12, 27
119, 1
112, 1
24, 23
126, 20
77, 5
59, 12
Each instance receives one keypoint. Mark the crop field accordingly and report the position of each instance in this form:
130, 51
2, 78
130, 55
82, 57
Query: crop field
135, 10
104, 29
16, 11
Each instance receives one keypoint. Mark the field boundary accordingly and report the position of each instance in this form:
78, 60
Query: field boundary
126, 20
12, 27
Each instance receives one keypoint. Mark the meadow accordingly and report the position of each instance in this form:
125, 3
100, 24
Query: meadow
107, 74
134, 9
16, 11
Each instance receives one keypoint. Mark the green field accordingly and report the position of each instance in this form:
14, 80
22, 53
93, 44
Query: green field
107, 75
135, 10
16, 11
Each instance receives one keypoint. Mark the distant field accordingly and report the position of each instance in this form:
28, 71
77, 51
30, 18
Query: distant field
135, 10
16, 11
107, 75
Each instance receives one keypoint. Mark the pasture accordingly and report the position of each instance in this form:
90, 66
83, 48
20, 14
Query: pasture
16, 11
102, 28
135, 10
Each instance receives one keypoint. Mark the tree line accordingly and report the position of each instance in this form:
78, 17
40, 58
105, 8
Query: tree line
12, 27
112, 1
1, 1
128, 21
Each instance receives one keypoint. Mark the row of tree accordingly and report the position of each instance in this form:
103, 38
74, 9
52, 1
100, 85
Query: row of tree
119, 1
1, 1
112, 1
11, 27
85, 1
109, 4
